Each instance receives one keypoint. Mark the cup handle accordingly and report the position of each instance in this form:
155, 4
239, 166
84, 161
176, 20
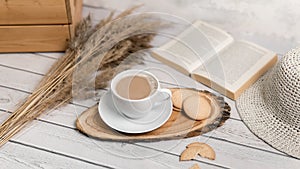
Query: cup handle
166, 95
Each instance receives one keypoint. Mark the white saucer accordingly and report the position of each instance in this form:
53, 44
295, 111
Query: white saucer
154, 119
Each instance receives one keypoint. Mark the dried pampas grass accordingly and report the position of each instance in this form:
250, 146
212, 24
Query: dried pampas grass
93, 48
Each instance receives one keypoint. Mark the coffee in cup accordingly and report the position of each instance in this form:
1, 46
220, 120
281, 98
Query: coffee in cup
136, 87
136, 92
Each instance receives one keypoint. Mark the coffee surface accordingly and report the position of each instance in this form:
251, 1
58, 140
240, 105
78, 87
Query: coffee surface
134, 87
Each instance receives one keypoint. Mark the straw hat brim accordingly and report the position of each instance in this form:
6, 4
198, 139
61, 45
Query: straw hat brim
258, 117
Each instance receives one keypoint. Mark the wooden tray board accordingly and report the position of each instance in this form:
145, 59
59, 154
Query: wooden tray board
178, 126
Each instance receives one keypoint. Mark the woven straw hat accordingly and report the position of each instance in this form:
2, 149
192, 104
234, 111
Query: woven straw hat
271, 106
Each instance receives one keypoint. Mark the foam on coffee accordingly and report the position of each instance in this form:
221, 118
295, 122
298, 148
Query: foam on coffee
136, 87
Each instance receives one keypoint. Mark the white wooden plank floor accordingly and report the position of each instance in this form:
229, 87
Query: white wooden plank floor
52, 140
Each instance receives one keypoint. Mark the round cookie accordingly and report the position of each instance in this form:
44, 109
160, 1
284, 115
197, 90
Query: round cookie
197, 107
180, 95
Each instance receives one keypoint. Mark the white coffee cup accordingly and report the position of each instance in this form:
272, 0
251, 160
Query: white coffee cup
140, 107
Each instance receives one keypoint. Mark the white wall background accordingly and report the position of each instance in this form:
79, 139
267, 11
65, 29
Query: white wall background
274, 24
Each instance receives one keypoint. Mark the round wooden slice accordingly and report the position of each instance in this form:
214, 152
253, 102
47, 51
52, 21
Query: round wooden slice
178, 125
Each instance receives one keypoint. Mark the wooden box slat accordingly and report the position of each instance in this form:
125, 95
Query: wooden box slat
75, 8
29, 12
34, 38
37, 25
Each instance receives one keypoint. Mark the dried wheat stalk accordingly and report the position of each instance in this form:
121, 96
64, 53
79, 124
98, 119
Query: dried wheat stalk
92, 48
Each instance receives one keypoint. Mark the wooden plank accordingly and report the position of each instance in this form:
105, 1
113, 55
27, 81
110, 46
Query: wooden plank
233, 130
27, 61
78, 10
74, 11
33, 38
237, 132
98, 152
230, 155
16, 12
37, 25
68, 141
72, 119
18, 79
168, 74
18, 156
53, 55
164, 72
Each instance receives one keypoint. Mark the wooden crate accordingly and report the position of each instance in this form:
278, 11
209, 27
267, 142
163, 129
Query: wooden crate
37, 25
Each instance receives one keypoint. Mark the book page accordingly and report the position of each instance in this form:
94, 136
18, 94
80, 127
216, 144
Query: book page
195, 45
232, 63
218, 38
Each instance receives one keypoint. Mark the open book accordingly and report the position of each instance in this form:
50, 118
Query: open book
212, 57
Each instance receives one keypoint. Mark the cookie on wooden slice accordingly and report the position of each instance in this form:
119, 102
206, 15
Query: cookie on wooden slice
197, 107
204, 150
195, 166
180, 95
